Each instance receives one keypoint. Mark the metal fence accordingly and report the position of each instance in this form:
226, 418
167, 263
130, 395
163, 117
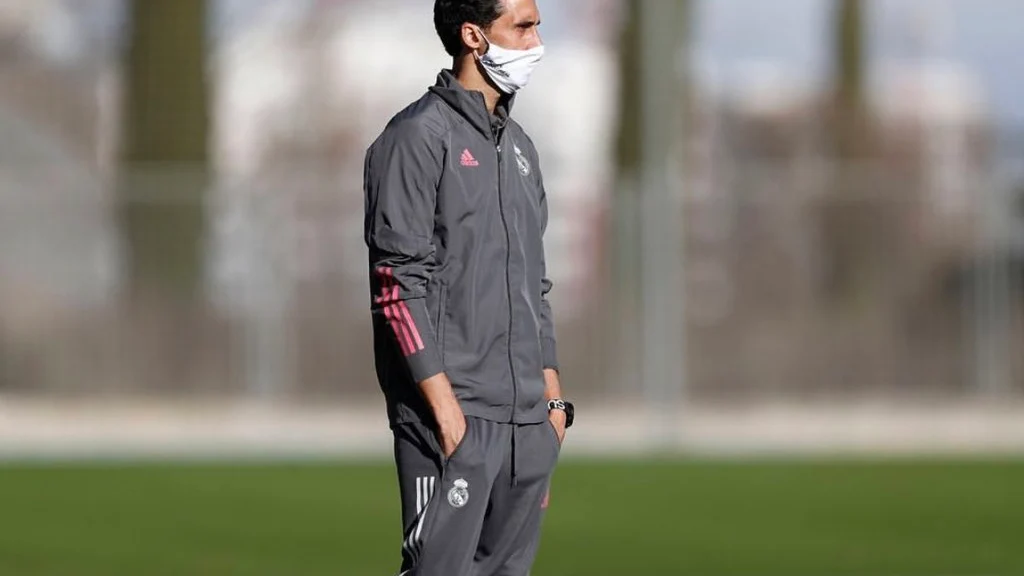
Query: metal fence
802, 280
789, 294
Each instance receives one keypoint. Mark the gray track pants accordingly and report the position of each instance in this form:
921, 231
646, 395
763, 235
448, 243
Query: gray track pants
478, 513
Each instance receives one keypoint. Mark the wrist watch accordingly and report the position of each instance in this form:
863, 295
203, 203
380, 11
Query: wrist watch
567, 407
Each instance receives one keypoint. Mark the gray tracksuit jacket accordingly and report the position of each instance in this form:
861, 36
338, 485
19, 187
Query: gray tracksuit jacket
455, 218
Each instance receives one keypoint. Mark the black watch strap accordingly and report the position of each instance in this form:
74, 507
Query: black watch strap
567, 407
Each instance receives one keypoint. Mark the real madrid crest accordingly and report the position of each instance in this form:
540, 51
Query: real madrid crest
458, 496
524, 164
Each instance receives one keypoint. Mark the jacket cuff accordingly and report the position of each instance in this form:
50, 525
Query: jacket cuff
425, 361
425, 365
549, 351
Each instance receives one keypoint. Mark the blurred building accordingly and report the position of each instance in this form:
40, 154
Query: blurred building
58, 255
808, 276
763, 241
314, 90
301, 90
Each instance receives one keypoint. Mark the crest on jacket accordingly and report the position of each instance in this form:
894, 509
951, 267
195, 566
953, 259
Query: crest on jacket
522, 162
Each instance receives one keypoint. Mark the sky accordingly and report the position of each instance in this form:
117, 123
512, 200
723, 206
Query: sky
984, 36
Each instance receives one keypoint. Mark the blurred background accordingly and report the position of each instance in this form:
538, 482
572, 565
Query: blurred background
777, 228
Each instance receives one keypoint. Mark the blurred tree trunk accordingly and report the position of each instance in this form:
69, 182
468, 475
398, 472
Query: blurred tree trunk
863, 223
637, 70
164, 172
623, 274
165, 156
847, 217
849, 75
627, 145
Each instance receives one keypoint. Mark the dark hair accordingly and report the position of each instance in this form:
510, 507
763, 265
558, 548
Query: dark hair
450, 15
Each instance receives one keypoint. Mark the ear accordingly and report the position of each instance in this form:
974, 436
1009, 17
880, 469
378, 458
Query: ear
472, 39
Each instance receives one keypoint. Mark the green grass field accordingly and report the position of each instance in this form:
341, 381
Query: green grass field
615, 519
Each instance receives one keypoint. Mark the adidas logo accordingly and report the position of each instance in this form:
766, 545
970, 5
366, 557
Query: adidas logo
468, 160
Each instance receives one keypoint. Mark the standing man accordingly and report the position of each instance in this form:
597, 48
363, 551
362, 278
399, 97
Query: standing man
463, 335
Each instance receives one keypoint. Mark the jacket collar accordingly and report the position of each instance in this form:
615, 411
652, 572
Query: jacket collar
471, 105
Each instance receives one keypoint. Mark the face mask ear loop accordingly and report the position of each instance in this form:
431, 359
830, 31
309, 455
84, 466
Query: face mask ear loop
487, 40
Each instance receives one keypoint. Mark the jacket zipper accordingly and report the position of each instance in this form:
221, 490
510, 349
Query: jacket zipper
508, 286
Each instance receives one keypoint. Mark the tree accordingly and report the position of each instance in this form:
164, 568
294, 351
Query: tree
849, 221
630, 58
653, 102
164, 172
848, 71
165, 146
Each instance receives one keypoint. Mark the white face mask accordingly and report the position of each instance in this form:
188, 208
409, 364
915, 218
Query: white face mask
510, 69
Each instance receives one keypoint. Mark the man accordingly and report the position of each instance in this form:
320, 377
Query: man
463, 335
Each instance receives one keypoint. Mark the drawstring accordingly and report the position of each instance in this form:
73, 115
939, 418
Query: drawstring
515, 479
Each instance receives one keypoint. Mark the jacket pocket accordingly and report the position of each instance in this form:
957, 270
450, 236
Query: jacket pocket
442, 320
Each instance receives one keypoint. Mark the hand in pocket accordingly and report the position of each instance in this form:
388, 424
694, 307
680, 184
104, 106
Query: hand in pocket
451, 434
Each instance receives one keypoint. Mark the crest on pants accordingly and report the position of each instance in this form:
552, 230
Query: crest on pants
458, 496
